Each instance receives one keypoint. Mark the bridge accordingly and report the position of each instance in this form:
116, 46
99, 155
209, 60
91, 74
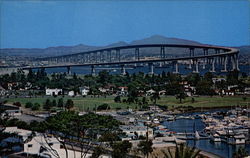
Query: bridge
192, 55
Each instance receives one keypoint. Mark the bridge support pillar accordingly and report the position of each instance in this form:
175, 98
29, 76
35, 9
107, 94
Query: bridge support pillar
176, 67
137, 54
190, 64
237, 62
118, 54
123, 70
151, 68
196, 66
225, 64
93, 70
234, 59
213, 65
69, 70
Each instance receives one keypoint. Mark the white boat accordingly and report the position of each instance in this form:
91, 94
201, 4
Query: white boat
216, 138
197, 136
156, 121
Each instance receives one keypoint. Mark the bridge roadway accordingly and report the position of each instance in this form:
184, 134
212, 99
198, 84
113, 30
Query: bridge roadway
145, 46
230, 53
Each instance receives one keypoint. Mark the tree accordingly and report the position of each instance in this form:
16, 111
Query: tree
103, 107
28, 105
54, 103
240, 153
17, 104
181, 151
97, 152
69, 104
35, 107
47, 105
181, 96
155, 97
145, 147
60, 103
121, 149
117, 99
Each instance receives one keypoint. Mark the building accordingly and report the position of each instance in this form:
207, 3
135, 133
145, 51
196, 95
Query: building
71, 93
53, 92
123, 91
42, 145
11, 110
84, 90
133, 131
150, 92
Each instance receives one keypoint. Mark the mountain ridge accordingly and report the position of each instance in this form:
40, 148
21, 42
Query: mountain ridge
64, 50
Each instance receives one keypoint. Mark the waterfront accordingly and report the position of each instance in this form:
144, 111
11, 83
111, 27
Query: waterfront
219, 148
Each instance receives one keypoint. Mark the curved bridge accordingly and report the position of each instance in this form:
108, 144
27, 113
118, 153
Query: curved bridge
192, 55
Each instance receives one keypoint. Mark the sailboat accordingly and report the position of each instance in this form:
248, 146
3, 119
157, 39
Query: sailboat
197, 136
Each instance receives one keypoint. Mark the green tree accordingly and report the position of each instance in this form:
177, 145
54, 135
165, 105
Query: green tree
117, 99
69, 104
54, 103
121, 149
155, 97
145, 147
60, 103
97, 152
35, 107
28, 105
181, 96
47, 105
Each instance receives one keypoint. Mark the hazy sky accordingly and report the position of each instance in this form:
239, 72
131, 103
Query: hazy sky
39, 24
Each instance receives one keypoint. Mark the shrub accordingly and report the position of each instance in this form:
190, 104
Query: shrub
28, 105
103, 107
35, 107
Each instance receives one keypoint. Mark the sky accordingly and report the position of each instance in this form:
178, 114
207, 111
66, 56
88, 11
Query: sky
41, 24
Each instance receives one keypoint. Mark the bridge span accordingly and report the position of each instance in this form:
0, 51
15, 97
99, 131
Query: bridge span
196, 56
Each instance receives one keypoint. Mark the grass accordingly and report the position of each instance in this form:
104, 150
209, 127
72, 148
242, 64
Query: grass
83, 103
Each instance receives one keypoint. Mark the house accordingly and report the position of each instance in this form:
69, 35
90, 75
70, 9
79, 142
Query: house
218, 79
123, 91
136, 130
71, 93
150, 92
53, 92
84, 90
162, 92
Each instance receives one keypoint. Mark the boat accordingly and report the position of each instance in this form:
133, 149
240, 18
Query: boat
197, 136
216, 138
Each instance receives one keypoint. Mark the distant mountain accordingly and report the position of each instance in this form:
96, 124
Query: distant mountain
157, 39
63, 50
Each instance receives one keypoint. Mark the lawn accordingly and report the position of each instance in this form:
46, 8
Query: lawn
83, 103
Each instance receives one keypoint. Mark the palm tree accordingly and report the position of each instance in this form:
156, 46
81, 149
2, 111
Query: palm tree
181, 151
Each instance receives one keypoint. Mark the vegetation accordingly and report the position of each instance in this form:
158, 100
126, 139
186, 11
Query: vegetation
181, 151
145, 147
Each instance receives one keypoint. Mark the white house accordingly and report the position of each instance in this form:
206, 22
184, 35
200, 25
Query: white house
150, 92
53, 91
71, 93
84, 90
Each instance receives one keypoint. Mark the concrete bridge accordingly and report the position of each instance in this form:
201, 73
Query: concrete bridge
196, 56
